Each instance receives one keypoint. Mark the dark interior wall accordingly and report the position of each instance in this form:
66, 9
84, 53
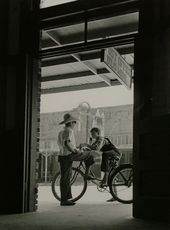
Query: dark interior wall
12, 111
16, 80
152, 112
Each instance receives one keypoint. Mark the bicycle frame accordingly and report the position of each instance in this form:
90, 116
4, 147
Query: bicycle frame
95, 180
78, 173
74, 176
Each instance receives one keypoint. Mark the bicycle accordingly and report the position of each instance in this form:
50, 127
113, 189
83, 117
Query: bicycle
120, 182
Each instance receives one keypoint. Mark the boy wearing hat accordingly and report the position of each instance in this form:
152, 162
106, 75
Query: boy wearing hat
69, 153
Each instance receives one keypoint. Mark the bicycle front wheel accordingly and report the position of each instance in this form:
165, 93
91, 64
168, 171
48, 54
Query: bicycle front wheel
78, 185
121, 184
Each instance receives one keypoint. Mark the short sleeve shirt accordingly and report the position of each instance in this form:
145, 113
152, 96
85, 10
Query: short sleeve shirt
64, 135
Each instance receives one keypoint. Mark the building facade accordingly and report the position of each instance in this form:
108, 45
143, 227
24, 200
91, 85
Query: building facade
116, 123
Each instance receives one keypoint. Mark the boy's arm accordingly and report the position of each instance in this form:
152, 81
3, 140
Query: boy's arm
84, 145
98, 144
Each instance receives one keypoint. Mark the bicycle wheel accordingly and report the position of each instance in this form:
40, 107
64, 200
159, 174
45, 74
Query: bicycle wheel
78, 185
121, 184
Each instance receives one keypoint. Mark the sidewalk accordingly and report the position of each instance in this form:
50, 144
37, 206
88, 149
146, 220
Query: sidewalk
91, 196
90, 213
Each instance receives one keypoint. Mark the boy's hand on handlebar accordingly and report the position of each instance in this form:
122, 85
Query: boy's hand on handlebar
77, 151
83, 145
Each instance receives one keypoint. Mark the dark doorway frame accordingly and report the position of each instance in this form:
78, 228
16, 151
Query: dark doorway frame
79, 11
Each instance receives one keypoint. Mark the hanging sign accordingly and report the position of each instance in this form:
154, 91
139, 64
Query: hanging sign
117, 65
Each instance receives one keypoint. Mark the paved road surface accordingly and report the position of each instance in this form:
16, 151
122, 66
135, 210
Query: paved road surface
92, 195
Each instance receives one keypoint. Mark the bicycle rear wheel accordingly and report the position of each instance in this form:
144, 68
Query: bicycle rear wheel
121, 184
78, 185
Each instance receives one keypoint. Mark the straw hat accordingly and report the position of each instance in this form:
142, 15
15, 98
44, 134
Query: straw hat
68, 118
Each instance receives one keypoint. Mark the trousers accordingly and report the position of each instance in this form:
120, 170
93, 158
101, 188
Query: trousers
106, 157
66, 171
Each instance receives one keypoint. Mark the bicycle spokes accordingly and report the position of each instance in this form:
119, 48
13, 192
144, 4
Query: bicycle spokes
74, 177
122, 184
77, 183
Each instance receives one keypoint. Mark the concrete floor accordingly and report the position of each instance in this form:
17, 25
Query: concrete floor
91, 213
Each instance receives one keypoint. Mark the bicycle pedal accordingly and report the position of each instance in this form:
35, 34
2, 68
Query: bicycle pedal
103, 186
